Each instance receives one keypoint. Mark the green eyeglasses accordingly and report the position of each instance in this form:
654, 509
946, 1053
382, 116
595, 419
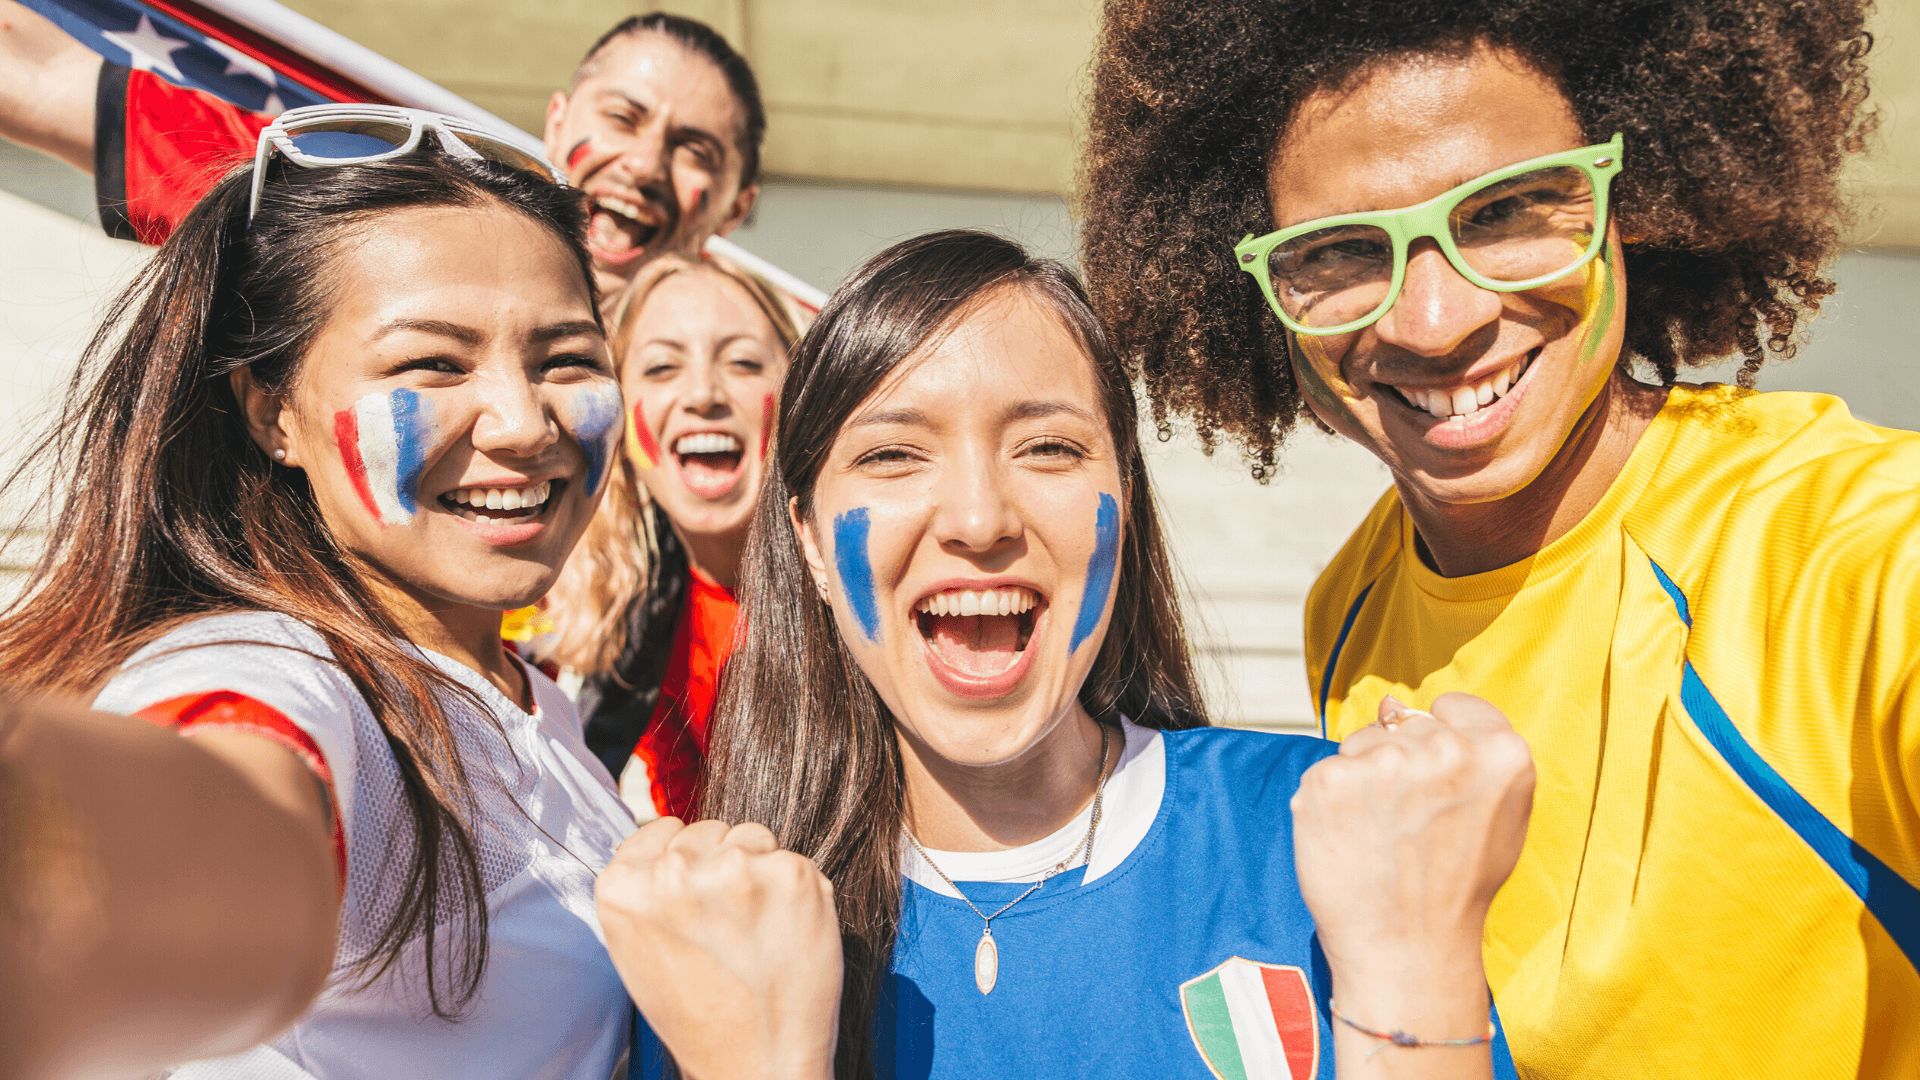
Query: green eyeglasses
1514, 228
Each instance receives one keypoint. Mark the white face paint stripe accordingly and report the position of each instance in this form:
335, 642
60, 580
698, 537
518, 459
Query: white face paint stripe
380, 455
1261, 1051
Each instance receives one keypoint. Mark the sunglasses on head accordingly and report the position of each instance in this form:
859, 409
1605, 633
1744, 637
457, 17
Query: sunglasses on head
320, 135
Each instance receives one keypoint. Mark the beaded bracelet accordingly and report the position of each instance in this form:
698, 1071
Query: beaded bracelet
1401, 1038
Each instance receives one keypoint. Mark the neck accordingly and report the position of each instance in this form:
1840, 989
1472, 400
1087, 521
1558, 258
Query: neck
463, 633
716, 555
956, 807
1458, 539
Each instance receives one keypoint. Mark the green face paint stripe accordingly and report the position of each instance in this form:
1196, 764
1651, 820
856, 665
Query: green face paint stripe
1609, 296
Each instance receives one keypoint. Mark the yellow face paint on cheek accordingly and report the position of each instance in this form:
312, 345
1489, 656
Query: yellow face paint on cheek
1318, 388
1598, 299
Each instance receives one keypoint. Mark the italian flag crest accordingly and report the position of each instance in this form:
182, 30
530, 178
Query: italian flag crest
1254, 1021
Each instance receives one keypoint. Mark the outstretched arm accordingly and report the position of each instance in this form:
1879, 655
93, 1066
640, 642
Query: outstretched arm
47, 83
161, 898
1400, 843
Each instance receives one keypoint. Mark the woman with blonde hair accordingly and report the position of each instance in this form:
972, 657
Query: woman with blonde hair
645, 609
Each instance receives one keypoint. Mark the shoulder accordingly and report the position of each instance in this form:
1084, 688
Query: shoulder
272, 658
1253, 764
1776, 485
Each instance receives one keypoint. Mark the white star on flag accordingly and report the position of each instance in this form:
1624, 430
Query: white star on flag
149, 49
239, 63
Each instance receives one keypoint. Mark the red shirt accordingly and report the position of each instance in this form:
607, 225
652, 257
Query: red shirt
157, 148
674, 746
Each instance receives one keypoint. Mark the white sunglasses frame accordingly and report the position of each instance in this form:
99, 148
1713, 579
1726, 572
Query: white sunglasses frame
455, 136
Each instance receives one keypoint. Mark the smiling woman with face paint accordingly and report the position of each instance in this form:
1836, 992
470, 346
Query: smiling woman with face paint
645, 608
325, 446
964, 692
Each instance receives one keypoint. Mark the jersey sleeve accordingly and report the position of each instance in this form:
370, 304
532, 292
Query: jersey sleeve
201, 670
157, 148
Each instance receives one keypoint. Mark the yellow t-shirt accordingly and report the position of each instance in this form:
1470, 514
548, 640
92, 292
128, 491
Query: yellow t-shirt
1717, 673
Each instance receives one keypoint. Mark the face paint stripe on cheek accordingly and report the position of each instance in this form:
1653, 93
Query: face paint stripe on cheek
384, 440
1100, 571
346, 433
767, 414
856, 570
595, 416
641, 446
579, 151
1600, 294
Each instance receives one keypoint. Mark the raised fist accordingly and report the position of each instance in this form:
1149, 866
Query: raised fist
729, 946
1402, 840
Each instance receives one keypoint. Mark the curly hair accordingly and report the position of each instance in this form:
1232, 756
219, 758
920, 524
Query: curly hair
1738, 115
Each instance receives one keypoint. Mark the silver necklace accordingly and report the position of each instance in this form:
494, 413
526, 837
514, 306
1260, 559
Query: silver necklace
986, 955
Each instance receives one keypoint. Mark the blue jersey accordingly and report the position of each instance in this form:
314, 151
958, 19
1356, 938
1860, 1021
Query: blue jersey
1193, 959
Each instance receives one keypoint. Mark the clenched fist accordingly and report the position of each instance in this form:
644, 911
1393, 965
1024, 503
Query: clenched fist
1401, 842
729, 946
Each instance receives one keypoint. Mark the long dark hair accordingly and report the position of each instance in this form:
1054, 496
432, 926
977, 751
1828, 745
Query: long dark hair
800, 740
174, 513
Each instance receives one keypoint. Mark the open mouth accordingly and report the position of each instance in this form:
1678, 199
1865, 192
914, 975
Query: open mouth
620, 230
504, 506
978, 633
1466, 402
711, 462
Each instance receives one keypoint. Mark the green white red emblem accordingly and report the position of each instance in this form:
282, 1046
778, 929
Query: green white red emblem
1254, 1021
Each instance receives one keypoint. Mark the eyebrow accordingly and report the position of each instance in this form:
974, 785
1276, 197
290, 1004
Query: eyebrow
684, 129
1025, 410
467, 335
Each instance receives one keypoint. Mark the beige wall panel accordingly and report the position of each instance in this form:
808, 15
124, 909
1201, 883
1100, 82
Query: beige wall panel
507, 56
917, 150
1888, 180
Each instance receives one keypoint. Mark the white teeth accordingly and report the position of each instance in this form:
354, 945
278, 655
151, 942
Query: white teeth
707, 442
1014, 601
1463, 400
618, 206
514, 500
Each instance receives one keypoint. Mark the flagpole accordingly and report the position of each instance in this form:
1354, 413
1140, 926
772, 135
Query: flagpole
791, 285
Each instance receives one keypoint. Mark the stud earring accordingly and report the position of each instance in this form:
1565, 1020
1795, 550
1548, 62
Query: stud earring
279, 455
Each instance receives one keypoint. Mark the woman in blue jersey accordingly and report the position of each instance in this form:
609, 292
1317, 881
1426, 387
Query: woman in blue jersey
965, 694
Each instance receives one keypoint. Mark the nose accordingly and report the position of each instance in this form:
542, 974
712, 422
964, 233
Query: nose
1437, 310
513, 419
973, 517
707, 395
643, 157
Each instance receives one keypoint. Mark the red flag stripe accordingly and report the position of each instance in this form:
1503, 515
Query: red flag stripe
1293, 1014
276, 56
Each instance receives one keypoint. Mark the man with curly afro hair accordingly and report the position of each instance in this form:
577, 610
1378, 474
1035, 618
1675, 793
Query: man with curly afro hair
1452, 231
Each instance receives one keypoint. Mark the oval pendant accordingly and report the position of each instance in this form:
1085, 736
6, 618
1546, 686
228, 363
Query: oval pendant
986, 963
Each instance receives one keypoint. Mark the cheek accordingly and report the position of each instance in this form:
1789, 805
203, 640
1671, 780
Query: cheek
768, 410
1101, 568
1601, 297
580, 152
641, 446
385, 441
1318, 377
854, 567
593, 415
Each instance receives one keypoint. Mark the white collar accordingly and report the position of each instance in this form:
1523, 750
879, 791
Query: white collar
1128, 808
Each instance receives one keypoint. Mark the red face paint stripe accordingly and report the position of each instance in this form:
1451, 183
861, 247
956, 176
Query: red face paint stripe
766, 425
649, 450
346, 432
579, 151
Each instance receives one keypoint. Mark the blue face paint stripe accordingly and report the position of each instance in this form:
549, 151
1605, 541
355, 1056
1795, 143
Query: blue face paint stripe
856, 570
1100, 570
412, 431
1892, 899
598, 413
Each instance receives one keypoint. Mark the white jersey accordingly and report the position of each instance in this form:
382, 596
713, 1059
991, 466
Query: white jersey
550, 1004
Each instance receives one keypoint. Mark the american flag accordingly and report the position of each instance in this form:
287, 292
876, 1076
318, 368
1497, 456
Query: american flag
266, 58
